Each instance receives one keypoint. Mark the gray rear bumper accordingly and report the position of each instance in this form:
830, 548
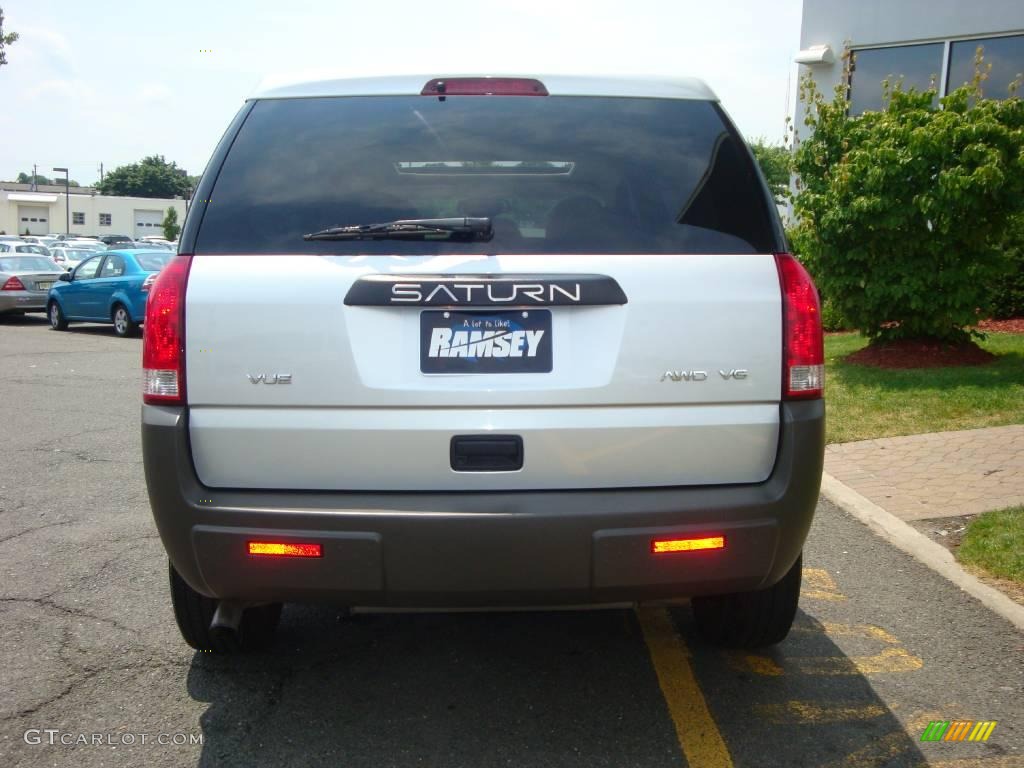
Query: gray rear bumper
23, 301
448, 549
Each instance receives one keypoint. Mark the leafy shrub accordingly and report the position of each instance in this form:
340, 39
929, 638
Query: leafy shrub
775, 162
831, 318
902, 212
1008, 289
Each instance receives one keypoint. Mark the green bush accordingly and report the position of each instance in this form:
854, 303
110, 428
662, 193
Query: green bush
775, 161
831, 318
902, 213
1008, 289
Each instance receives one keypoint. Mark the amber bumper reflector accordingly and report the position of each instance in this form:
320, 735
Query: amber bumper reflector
284, 549
660, 546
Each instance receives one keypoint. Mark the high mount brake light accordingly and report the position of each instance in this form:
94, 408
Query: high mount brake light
484, 86
803, 349
163, 340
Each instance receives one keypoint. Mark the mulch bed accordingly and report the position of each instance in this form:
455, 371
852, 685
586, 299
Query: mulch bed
1012, 325
909, 353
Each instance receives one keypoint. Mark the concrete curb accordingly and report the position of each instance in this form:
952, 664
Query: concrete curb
919, 546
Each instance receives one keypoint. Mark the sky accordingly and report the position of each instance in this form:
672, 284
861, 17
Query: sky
111, 82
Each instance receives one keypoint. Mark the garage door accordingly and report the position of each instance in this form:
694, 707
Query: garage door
148, 224
34, 218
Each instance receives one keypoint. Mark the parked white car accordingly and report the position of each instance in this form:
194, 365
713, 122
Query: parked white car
84, 244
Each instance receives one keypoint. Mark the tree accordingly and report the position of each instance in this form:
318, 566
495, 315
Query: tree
26, 178
151, 177
903, 212
170, 225
776, 163
5, 39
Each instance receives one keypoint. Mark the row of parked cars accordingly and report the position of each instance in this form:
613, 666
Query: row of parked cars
96, 280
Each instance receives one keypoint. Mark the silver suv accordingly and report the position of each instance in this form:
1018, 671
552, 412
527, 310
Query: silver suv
481, 342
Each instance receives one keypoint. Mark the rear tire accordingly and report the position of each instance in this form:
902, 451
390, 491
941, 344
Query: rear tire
57, 320
194, 612
750, 619
124, 326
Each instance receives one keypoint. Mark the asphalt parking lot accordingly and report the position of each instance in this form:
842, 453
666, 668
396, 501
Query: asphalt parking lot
882, 645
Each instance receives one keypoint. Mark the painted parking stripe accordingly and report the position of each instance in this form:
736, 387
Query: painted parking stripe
696, 730
889, 660
833, 629
818, 713
818, 584
1001, 761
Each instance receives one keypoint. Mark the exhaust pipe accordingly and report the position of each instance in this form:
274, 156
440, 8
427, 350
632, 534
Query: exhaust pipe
228, 617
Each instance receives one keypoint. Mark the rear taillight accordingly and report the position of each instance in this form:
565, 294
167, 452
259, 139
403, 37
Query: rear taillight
163, 342
148, 282
484, 86
13, 284
803, 348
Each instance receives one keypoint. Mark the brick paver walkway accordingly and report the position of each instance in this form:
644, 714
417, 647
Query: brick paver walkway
935, 475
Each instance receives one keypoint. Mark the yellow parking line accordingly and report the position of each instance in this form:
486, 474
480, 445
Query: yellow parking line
819, 585
869, 631
999, 761
696, 730
815, 712
889, 660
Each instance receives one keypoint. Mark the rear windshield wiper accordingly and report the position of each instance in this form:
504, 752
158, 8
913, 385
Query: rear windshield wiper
461, 228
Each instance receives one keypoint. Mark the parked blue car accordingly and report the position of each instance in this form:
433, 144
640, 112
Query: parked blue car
110, 287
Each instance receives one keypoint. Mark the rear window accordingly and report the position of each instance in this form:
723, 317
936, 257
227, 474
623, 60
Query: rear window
153, 262
555, 174
32, 249
28, 264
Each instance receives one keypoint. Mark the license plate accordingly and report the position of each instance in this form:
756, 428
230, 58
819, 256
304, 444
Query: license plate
44, 286
485, 342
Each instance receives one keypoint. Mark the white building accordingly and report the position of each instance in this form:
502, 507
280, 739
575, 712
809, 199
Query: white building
43, 211
919, 40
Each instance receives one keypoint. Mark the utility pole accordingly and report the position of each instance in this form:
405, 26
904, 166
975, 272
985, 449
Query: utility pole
101, 173
33, 177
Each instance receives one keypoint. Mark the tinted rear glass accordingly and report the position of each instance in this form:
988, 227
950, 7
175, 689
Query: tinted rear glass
32, 249
555, 174
153, 262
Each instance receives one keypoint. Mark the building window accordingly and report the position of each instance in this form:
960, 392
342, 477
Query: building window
1004, 54
78, 217
915, 66
105, 219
